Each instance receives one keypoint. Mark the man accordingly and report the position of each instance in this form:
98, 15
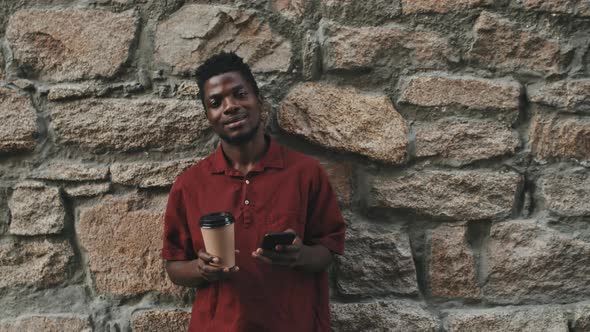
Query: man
268, 188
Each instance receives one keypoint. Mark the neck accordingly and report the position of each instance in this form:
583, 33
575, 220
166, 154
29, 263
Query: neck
243, 157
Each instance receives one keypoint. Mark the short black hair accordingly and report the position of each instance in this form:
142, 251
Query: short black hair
221, 63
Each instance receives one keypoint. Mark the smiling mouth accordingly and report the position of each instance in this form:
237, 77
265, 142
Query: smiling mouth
235, 119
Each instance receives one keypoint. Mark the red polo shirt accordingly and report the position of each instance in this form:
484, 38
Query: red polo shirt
286, 189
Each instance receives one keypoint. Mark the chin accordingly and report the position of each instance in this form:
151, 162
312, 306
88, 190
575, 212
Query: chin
240, 138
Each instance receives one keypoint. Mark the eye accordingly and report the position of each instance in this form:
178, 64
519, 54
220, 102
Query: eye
241, 94
214, 102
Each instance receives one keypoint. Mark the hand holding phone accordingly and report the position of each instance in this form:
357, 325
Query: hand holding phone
271, 240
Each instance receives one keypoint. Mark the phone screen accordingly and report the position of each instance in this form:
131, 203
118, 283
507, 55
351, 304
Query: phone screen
271, 240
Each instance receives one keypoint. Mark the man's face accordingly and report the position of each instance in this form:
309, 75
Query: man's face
233, 109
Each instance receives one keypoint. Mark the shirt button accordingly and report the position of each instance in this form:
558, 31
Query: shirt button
247, 181
246, 202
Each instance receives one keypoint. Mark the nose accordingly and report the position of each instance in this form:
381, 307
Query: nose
230, 105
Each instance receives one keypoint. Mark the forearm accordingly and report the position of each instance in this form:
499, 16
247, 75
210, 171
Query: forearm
185, 273
314, 258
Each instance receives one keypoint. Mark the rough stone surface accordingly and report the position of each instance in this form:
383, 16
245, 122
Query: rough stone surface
350, 48
463, 141
576, 7
365, 11
36, 210
460, 195
566, 194
47, 323
39, 264
126, 125
87, 190
311, 57
452, 267
182, 42
441, 6
122, 237
2, 64
19, 122
395, 316
566, 96
465, 92
291, 9
160, 321
555, 137
581, 319
188, 89
70, 171
70, 91
376, 263
146, 175
345, 119
530, 261
4, 211
71, 44
512, 319
340, 174
499, 44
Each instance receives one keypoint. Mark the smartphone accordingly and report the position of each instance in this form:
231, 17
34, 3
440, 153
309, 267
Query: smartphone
271, 240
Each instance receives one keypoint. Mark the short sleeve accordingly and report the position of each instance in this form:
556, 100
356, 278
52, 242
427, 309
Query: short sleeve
177, 243
325, 224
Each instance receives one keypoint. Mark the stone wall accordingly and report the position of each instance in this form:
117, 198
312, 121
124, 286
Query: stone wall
456, 133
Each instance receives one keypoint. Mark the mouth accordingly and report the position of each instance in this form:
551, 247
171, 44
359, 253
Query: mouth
235, 120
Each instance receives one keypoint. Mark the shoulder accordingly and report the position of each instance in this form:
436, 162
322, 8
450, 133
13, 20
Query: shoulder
301, 161
194, 173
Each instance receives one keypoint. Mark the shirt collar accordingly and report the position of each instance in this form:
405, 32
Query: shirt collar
273, 158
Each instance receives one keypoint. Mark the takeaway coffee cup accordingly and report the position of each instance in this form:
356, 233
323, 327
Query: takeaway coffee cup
218, 233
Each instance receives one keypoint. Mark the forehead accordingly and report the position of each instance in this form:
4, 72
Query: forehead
219, 84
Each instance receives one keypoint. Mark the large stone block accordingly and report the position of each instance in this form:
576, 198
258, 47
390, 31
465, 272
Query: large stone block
19, 122
560, 137
507, 319
530, 261
160, 320
146, 175
47, 323
575, 7
452, 270
195, 32
581, 319
376, 263
458, 195
365, 11
389, 46
122, 238
462, 141
36, 209
39, 264
394, 316
461, 92
70, 171
500, 44
125, 125
71, 44
345, 119
566, 96
441, 6
566, 194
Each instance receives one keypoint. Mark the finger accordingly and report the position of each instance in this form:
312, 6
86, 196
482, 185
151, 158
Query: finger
291, 249
261, 258
207, 258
